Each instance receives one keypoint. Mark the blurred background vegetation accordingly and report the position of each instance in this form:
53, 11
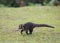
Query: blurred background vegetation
19, 3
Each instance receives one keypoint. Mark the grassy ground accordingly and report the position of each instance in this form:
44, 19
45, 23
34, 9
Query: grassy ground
10, 18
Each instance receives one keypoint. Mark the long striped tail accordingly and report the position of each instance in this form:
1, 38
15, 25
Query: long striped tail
43, 25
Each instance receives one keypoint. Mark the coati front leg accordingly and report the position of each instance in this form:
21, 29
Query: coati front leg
22, 31
26, 30
29, 31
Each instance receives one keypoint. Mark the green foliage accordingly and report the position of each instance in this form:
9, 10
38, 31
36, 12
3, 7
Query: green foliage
7, 2
1, 5
27, 2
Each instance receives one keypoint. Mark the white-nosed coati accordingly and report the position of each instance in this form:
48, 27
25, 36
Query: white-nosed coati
29, 27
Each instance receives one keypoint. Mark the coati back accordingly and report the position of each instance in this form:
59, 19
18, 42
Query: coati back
29, 26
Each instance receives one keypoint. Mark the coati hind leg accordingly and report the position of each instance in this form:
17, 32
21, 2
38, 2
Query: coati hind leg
26, 32
30, 31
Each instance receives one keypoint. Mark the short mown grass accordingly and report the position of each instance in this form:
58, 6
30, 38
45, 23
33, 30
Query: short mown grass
10, 18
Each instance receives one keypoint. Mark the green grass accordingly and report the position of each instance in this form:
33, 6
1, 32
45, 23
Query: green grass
10, 18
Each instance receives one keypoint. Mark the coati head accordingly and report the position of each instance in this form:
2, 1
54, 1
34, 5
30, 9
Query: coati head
21, 26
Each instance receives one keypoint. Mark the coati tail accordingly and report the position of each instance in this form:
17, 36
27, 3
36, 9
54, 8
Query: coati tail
43, 25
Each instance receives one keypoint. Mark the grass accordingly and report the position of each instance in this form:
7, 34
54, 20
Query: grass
10, 18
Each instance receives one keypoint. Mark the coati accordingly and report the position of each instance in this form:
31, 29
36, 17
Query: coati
29, 26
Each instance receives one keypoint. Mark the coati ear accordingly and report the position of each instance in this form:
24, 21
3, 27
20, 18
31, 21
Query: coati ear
21, 26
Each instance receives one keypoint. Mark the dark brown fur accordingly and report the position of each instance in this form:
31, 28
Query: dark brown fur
29, 26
